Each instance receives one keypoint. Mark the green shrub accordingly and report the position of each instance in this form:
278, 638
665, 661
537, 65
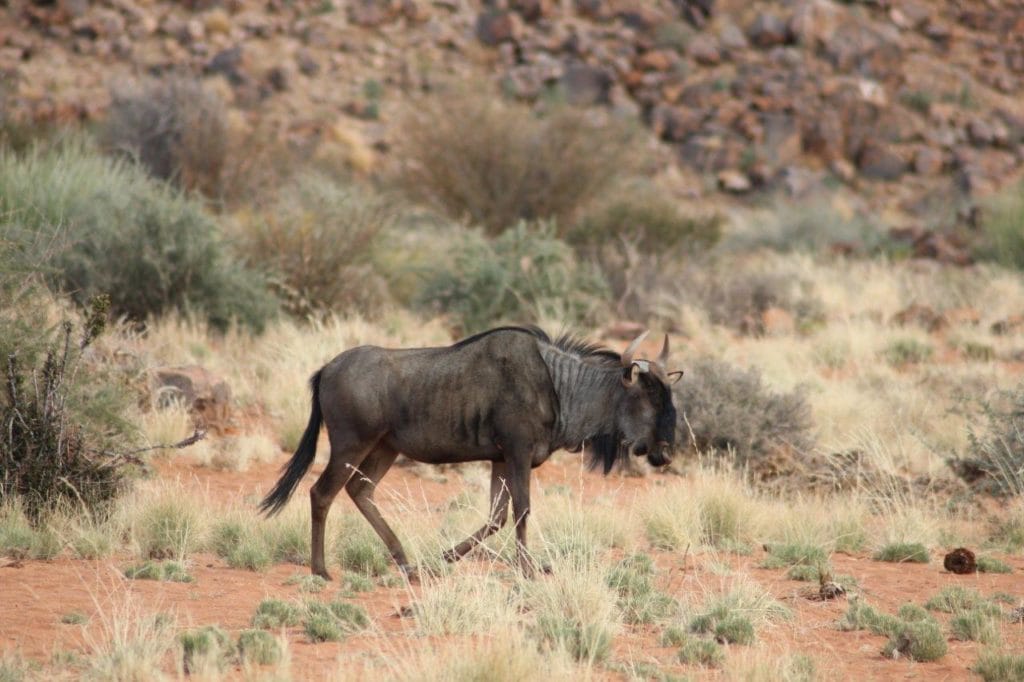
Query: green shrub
987, 564
240, 546
590, 642
674, 635
174, 128
332, 622
74, 618
1002, 239
995, 666
729, 412
288, 539
638, 599
258, 647
168, 528
861, 616
907, 352
307, 583
704, 652
524, 275
475, 156
20, 540
912, 612
169, 571
113, 230
360, 550
735, 629
317, 240
356, 582
780, 556
920, 640
956, 599
275, 613
975, 625
58, 416
208, 644
900, 552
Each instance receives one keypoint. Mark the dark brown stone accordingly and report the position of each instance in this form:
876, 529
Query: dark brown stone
960, 561
495, 27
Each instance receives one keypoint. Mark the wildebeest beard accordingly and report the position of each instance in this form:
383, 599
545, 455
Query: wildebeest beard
605, 449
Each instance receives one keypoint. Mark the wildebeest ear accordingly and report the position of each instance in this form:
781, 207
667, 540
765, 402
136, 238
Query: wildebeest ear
678, 374
630, 375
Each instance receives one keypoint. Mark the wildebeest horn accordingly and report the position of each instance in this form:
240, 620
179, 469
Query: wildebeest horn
663, 358
627, 355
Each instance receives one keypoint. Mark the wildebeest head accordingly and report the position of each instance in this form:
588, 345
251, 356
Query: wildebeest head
646, 418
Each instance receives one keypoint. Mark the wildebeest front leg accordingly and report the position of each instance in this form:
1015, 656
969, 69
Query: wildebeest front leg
519, 486
497, 517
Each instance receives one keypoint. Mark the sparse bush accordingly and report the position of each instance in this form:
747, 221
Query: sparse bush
994, 461
168, 571
275, 613
900, 552
474, 156
74, 618
20, 540
584, 641
861, 616
174, 128
168, 527
956, 599
318, 241
781, 556
1002, 239
356, 582
920, 640
332, 622
111, 229
288, 538
735, 629
907, 352
258, 647
205, 646
57, 416
728, 411
308, 583
240, 545
995, 666
575, 611
648, 219
975, 625
674, 635
524, 275
987, 564
704, 652
912, 612
639, 600
815, 227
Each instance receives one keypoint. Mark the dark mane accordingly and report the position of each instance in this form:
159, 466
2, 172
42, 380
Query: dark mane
569, 343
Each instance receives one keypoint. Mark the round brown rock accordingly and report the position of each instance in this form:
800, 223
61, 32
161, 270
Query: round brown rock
960, 561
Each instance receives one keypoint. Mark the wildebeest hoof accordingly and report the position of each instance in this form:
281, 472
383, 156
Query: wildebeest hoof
322, 573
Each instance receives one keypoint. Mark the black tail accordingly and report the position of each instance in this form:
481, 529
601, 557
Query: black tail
301, 460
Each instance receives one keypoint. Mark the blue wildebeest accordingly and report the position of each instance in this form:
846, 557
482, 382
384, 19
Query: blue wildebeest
510, 396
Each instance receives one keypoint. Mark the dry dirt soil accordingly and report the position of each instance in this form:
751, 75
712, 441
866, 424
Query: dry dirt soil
35, 594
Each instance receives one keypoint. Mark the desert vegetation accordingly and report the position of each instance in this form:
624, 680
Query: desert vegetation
850, 411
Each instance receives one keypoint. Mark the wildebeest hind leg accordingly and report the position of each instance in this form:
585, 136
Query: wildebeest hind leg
498, 515
345, 459
361, 489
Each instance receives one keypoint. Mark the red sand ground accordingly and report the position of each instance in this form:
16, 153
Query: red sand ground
35, 594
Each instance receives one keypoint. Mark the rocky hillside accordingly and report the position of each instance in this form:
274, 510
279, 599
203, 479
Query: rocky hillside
907, 103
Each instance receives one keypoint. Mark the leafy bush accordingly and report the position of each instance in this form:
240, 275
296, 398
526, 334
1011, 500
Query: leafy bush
18, 538
591, 642
308, 583
994, 461
318, 240
166, 528
475, 156
523, 275
781, 556
639, 600
900, 552
975, 625
174, 128
240, 546
726, 410
331, 622
861, 616
56, 421
108, 228
360, 550
987, 564
957, 599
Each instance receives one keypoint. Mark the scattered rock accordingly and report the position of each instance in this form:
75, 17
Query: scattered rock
496, 27
203, 392
831, 590
704, 50
960, 561
372, 13
880, 162
586, 85
767, 30
928, 161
